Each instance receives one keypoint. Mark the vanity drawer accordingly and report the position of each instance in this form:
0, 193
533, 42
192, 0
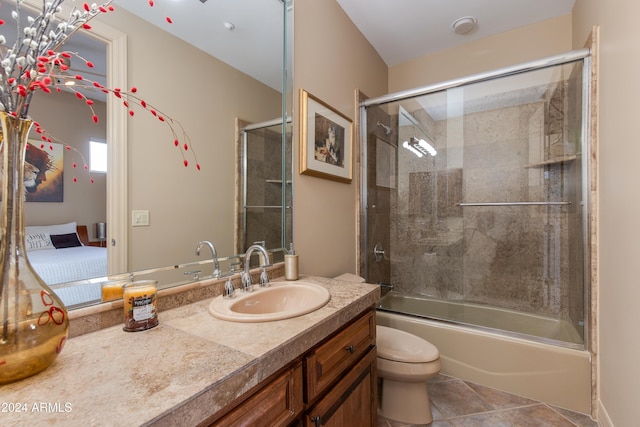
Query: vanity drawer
352, 401
276, 404
328, 361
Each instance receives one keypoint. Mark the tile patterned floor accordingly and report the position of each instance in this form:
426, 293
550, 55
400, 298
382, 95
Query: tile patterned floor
457, 403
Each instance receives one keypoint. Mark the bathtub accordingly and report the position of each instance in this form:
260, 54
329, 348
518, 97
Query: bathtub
541, 371
517, 323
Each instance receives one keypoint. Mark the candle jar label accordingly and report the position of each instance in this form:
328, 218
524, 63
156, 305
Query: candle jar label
140, 306
143, 309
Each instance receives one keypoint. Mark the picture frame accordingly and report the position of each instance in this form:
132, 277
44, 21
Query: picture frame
326, 140
47, 163
43, 172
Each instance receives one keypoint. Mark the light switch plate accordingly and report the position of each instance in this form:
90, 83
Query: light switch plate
140, 218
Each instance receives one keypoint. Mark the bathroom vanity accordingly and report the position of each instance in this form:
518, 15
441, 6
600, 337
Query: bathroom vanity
306, 387
193, 369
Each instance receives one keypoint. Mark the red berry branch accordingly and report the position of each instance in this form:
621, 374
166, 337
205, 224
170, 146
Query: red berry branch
37, 62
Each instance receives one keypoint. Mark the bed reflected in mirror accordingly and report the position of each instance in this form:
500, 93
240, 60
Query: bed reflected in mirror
63, 253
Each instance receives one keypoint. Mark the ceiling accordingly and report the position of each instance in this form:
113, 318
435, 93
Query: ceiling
253, 46
401, 30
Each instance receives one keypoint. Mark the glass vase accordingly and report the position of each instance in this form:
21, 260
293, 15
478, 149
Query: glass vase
34, 322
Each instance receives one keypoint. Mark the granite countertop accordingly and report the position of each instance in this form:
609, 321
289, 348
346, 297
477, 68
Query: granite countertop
188, 367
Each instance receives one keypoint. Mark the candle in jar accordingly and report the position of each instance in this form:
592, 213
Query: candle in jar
140, 305
112, 290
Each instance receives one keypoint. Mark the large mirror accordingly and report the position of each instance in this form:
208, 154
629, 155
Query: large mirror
221, 78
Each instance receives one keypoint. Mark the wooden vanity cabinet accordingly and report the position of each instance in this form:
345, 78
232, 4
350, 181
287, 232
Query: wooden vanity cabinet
328, 361
333, 384
277, 404
340, 377
352, 401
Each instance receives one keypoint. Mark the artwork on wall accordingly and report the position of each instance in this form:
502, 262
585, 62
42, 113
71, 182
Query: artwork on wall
326, 140
43, 172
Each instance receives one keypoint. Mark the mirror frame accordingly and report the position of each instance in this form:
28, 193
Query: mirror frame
117, 175
116, 124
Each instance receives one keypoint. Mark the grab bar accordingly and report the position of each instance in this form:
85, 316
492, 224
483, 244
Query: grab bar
513, 203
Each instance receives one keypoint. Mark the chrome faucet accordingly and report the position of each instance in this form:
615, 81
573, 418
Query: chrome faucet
214, 254
246, 275
228, 291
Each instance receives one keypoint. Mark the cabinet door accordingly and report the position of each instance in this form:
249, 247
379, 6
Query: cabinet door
352, 402
276, 404
329, 361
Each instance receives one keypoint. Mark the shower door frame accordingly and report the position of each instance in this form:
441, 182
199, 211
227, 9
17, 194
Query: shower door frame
583, 55
287, 168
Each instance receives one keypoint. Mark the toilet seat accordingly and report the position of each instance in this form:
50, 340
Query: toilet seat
405, 363
400, 346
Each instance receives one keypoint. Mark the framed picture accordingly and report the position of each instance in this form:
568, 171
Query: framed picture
43, 173
326, 140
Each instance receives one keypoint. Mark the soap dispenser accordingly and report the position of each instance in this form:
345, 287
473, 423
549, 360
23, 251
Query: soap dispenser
291, 265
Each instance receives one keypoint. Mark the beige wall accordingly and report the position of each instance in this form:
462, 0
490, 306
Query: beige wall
619, 381
619, 174
205, 96
535, 41
332, 60
69, 120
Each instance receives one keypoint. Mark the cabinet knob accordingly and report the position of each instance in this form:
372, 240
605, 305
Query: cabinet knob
317, 421
351, 349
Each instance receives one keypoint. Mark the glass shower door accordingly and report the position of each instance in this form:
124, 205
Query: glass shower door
474, 201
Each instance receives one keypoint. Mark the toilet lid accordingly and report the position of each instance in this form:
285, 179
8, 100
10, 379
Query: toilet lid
401, 346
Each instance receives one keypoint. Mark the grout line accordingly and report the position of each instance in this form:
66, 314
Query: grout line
493, 411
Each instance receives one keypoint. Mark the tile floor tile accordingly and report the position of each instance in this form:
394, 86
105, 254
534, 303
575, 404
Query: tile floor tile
487, 419
499, 399
578, 419
539, 415
453, 398
457, 403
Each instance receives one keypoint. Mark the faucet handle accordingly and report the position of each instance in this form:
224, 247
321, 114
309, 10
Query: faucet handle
196, 274
236, 266
229, 290
264, 278
245, 278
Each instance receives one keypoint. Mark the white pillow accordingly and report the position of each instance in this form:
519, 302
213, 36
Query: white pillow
70, 227
38, 241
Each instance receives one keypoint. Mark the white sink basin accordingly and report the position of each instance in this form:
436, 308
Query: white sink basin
281, 300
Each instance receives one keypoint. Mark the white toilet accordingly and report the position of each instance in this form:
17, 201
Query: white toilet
405, 363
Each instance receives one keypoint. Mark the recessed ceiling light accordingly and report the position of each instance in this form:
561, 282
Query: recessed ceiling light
464, 25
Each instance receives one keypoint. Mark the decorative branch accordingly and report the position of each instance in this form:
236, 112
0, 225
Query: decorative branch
32, 64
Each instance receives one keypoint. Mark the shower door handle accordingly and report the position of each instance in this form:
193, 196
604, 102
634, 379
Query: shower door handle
378, 252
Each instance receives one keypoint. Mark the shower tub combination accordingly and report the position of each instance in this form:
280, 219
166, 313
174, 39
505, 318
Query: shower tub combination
475, 211
511, 361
